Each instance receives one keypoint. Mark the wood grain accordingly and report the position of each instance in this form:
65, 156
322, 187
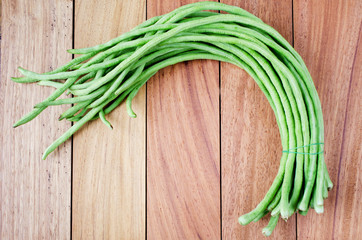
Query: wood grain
34, 194
250, 141
183, 131
109, 165
347, 221
326, 36
183, 181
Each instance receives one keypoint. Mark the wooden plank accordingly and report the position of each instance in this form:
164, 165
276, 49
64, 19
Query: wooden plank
183, 181
250, 141
326, 36
34, 194
109, 166
347, 222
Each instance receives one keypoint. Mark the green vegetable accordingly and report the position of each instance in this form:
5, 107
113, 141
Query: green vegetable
107, 74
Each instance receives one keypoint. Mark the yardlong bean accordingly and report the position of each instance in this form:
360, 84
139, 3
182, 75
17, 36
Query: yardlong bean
104, 76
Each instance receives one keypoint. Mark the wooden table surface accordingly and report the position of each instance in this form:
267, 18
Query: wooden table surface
205, 146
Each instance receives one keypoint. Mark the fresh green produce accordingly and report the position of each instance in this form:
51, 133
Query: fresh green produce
105, 75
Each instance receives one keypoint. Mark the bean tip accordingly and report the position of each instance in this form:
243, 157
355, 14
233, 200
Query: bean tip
18, 123
302, 206
266, 232
319, 209
15, 79
45, 154
243, 220
22, 70
72, 51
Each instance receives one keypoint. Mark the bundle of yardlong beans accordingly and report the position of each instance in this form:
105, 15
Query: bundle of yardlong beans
105, 75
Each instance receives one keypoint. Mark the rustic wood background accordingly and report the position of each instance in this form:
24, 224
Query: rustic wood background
205, 146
